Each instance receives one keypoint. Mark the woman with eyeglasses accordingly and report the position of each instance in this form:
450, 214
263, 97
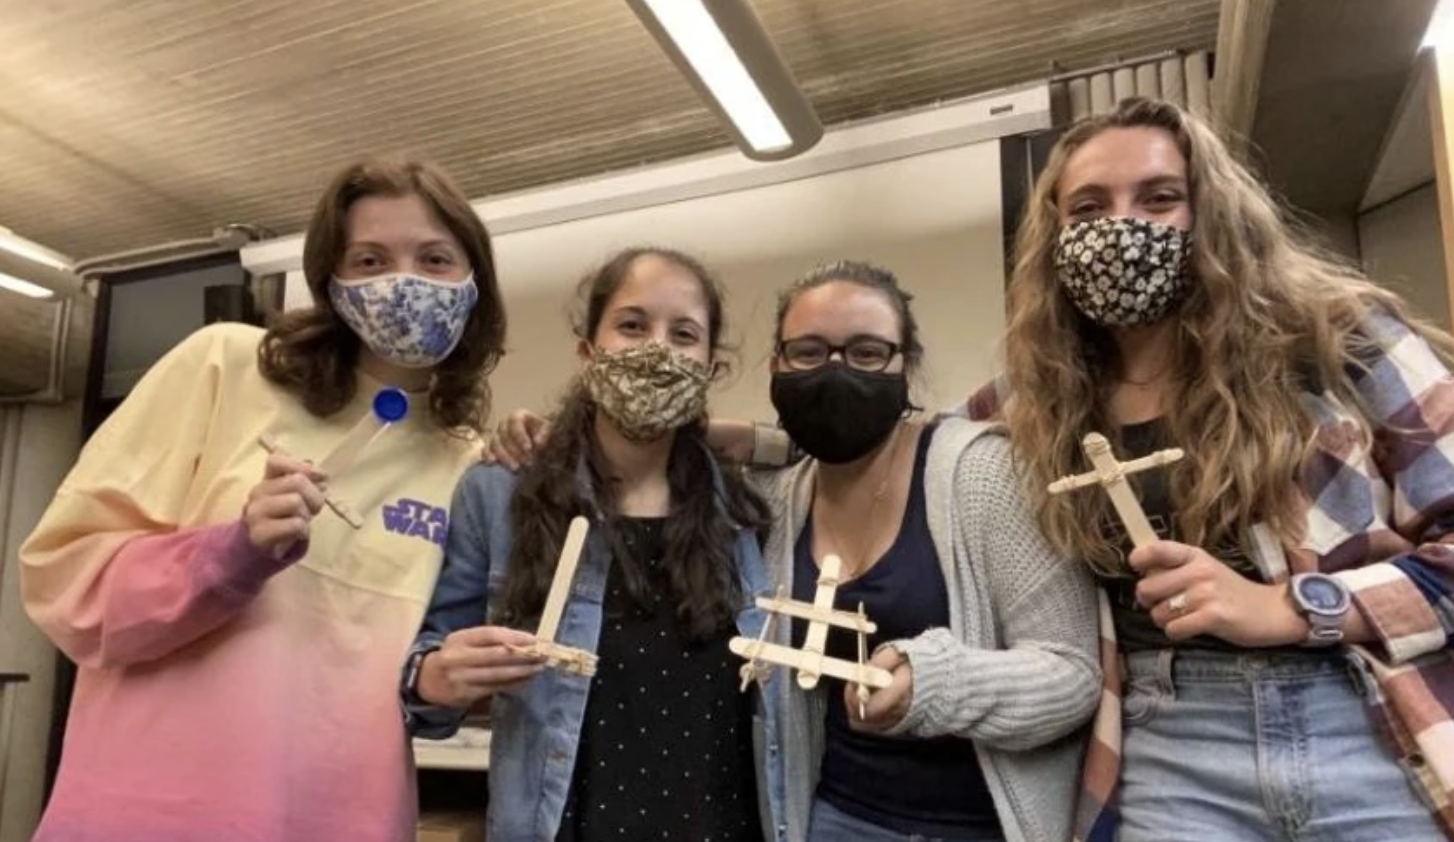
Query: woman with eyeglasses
990, 635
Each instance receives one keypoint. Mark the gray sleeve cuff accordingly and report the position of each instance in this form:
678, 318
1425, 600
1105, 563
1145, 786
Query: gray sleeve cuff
771, 447
931, 657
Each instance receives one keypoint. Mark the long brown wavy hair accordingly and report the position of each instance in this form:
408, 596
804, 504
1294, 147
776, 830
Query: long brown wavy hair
698, 534
1270, 316
313, 354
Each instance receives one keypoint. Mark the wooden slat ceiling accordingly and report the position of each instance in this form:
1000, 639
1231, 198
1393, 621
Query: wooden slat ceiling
127, 123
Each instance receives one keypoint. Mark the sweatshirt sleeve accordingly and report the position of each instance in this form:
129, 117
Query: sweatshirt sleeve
108, 574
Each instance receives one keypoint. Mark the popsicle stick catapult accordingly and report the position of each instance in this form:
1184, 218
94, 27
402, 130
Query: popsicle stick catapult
810, 661
390, 405
556, 655
1111, 475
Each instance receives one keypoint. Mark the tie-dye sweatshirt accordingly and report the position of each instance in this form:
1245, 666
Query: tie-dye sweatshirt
225, 696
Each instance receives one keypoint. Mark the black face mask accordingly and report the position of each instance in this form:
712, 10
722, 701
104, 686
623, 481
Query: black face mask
838, 414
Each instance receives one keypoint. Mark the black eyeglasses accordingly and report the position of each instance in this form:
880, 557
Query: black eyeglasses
862, 353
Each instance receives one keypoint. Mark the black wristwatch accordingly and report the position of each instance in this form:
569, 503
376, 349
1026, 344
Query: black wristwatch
412, 668
1324, 600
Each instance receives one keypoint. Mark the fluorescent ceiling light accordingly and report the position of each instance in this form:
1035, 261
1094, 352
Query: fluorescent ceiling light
706, 49
1441, 28
15, 244
722, 49
14, 284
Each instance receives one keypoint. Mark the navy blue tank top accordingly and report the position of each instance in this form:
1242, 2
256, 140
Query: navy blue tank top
932, 787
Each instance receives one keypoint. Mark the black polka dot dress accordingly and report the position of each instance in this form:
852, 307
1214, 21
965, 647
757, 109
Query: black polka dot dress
666, 746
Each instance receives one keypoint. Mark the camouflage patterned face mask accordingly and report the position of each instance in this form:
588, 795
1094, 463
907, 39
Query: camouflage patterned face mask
646, 390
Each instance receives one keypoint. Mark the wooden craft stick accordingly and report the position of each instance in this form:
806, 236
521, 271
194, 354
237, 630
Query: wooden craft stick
389, 406
1135, 466
817, 636
1111, 475
839, 619
862, 663
786, 656
810, 661
353, 445
338, 507
750, 670
565, 574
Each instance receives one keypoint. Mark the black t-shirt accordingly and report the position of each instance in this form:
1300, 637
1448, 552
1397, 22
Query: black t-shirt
666, 747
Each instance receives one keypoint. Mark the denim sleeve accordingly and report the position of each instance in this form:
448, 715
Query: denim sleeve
459, 600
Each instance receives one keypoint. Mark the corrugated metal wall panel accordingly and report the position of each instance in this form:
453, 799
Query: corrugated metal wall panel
127, 123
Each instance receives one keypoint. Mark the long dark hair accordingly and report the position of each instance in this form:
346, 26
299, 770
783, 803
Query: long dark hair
312, 353
698, 535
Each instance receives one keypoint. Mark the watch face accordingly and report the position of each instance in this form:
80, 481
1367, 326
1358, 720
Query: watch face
1320, 594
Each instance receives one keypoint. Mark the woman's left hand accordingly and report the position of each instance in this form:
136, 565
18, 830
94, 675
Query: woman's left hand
886, 707
1190, 593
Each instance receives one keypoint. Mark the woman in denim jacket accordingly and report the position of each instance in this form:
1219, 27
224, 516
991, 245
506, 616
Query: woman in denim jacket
660, 742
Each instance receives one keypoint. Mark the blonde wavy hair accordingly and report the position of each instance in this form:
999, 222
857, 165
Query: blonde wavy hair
1270, 316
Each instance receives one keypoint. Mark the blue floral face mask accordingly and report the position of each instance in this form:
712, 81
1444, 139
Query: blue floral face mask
407, 320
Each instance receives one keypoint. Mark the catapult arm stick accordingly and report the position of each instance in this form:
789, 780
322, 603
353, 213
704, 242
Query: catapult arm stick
565, 574
340, 508
1112, 475
353, 445
817, 637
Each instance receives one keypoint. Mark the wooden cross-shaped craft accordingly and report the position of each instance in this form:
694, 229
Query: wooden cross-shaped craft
1111, 475
557, 655
810, 661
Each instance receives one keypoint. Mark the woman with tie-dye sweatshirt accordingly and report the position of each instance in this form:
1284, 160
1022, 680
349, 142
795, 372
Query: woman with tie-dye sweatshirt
239, 643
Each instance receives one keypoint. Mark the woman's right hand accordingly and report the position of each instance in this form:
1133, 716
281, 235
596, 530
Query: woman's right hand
474, 664
280, 509
516, 440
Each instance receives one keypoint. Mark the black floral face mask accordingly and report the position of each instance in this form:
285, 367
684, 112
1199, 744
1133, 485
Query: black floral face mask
1121, 271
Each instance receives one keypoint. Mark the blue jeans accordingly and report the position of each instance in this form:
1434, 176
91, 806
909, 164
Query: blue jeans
1247, 746
830, 824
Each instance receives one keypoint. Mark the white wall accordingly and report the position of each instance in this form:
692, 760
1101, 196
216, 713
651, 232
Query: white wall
934, 219
1403, 249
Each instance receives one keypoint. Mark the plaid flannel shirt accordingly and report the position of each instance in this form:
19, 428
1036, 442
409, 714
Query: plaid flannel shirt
1380, 516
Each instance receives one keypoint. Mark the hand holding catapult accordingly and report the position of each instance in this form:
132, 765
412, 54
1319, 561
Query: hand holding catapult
557, 655
389, 407
1111, 474
810, 661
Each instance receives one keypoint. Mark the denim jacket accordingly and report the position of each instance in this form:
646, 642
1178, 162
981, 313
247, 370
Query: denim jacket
536, 728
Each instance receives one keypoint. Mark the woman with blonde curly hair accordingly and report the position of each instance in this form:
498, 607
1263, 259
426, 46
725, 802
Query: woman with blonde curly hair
1304, 565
